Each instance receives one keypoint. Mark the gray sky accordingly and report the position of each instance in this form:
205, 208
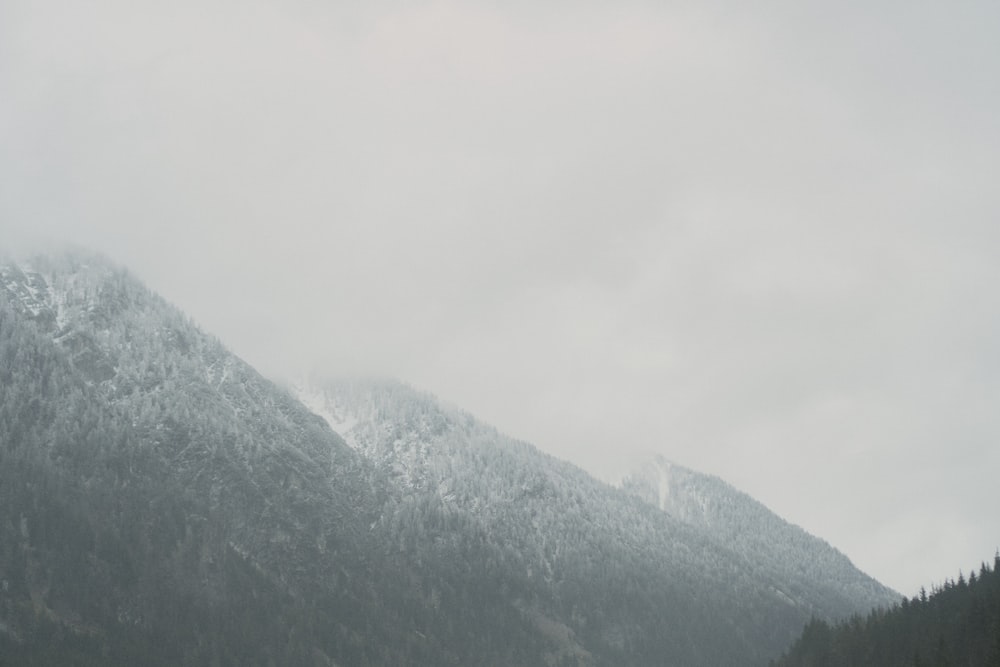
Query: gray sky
761, 241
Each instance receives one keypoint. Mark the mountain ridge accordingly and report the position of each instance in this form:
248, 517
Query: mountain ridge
714, 505
159, 492
420, 423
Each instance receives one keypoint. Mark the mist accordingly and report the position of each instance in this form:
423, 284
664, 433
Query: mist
758, 241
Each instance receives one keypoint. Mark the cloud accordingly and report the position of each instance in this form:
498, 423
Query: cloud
758, 240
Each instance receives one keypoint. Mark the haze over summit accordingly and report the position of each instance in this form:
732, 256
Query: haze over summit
759, 243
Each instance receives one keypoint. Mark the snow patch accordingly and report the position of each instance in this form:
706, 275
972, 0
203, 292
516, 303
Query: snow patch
663, 484
318, 403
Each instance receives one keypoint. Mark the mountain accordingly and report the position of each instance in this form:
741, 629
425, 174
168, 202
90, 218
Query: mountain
691, 572
812, 572
957, 624
162, 503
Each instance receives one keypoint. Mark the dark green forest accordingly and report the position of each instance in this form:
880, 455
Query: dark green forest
956, 625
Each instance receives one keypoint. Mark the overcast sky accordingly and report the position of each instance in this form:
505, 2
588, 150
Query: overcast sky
760, 239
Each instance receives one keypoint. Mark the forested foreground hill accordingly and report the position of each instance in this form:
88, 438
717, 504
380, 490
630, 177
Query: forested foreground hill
161, 503
958, 624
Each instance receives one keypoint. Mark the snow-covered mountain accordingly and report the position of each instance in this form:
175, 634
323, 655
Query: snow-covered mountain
712, 532
818, 574
161, 503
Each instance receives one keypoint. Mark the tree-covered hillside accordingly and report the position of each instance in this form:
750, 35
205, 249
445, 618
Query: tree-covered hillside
630, 583
812, 571
957, 625
161, 503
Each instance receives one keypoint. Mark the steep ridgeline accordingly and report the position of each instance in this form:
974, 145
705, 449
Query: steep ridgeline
957, 624
814, 574
605, 577
160, 502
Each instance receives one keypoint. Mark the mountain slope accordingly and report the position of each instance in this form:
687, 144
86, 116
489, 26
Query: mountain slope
156, 490
161, 503
625, 579
813, 572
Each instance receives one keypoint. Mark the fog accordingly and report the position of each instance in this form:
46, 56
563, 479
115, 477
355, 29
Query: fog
760, 241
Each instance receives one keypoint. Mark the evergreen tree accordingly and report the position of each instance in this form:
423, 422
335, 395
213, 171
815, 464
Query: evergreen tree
958, 624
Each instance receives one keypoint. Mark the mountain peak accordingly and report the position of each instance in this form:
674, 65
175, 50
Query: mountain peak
736, 519
159, 492
72, 285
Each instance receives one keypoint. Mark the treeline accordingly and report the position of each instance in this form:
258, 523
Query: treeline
957, 625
